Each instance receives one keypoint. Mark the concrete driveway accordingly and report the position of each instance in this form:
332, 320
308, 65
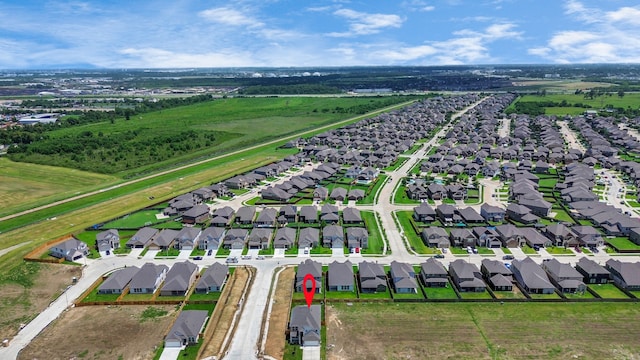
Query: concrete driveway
311, 353
170, 353
184, 254
151, 254
337, 252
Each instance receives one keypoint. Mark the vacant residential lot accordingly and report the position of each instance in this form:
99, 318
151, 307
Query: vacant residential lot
28, 289
483, 331
100, 332
279, 316
24, 186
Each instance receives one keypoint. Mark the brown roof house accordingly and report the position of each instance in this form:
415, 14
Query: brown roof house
198, 214
187, 328
142, 238
304, 325
179, 279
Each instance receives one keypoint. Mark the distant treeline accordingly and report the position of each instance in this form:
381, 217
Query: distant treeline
26, 135
289, 89
535, 108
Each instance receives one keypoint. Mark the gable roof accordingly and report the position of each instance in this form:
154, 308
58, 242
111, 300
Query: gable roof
187, 325
214, 276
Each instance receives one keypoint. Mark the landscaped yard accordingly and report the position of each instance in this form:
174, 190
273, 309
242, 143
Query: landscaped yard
94, 296
528, 250
476, 295
608, 291
579, 295
415, 241
340, 295
556, 250
513, 294
212, 296
440, 292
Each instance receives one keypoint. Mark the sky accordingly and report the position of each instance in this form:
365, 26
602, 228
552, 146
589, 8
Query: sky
300, 33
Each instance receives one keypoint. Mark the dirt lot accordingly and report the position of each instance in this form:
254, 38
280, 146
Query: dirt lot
280, 314
483, 331
223, 314
25, 294
100, 332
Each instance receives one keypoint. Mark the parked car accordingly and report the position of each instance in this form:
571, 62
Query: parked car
197, 258
578, 249
260, 257
508, 257
232, 260
536, 247
108, 252
439, 256
246, 257
306, 250
209, 252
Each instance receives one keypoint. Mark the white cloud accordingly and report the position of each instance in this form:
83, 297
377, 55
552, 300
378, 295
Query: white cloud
361, 23
417, 5
604, 37
228, 16
154, 57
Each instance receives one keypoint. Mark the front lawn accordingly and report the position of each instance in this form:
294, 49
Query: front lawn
528, 250
222, 252
622, 243
320, 250
485, 251
558, 250
506, 251
171, 252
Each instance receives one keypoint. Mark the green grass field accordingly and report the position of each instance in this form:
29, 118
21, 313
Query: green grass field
24, 186
376, 241
487, 331
622, 243
440, 292
415, 241
187, 132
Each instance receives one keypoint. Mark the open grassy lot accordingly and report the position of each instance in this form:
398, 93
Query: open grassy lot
24, 186
187, 132
279, 315
486, 331
375, 241
135, 338
415, 241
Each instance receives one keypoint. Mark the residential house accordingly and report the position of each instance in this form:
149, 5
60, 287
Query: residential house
500, 282
320, 194
531, 276
592, 272
203, 194
356, 194
222, 217
436, 191
466, 276
289, 212
447, 214
534, 238
433, 274
417, 192
260, 238
487, 236
329, 214
538, 207
521, 214
372, 277
462, 237
305, 325
564, 276
588, 235
497, 275
309, 267
492, 213
142, 238
245, 215
236, 182
164, 240
187, 238
338, 193
333, 236
308, 238
285, 238
424, 213
510, 236
187, 328
198, 214
625, 274
351, 216
148, 279
456, 192
108, 240
179, 279
403, 277
210, 238
357, 237
340, 276
561, 235
235, 238
267, 218
308, 214
70, 250
213, 279
117, 281
470, 216
435, 237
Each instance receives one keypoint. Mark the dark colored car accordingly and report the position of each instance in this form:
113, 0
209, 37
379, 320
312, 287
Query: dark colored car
209, 252
439, 256
507, 257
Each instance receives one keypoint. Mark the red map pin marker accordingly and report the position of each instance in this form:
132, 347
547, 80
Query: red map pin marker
308, 294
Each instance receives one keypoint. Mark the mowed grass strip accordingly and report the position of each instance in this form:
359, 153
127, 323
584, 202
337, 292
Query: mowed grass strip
483, 331
24, 186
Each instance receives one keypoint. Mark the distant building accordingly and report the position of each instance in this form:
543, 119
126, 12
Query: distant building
39, 119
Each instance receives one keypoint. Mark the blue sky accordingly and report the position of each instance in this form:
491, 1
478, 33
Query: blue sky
189, 33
